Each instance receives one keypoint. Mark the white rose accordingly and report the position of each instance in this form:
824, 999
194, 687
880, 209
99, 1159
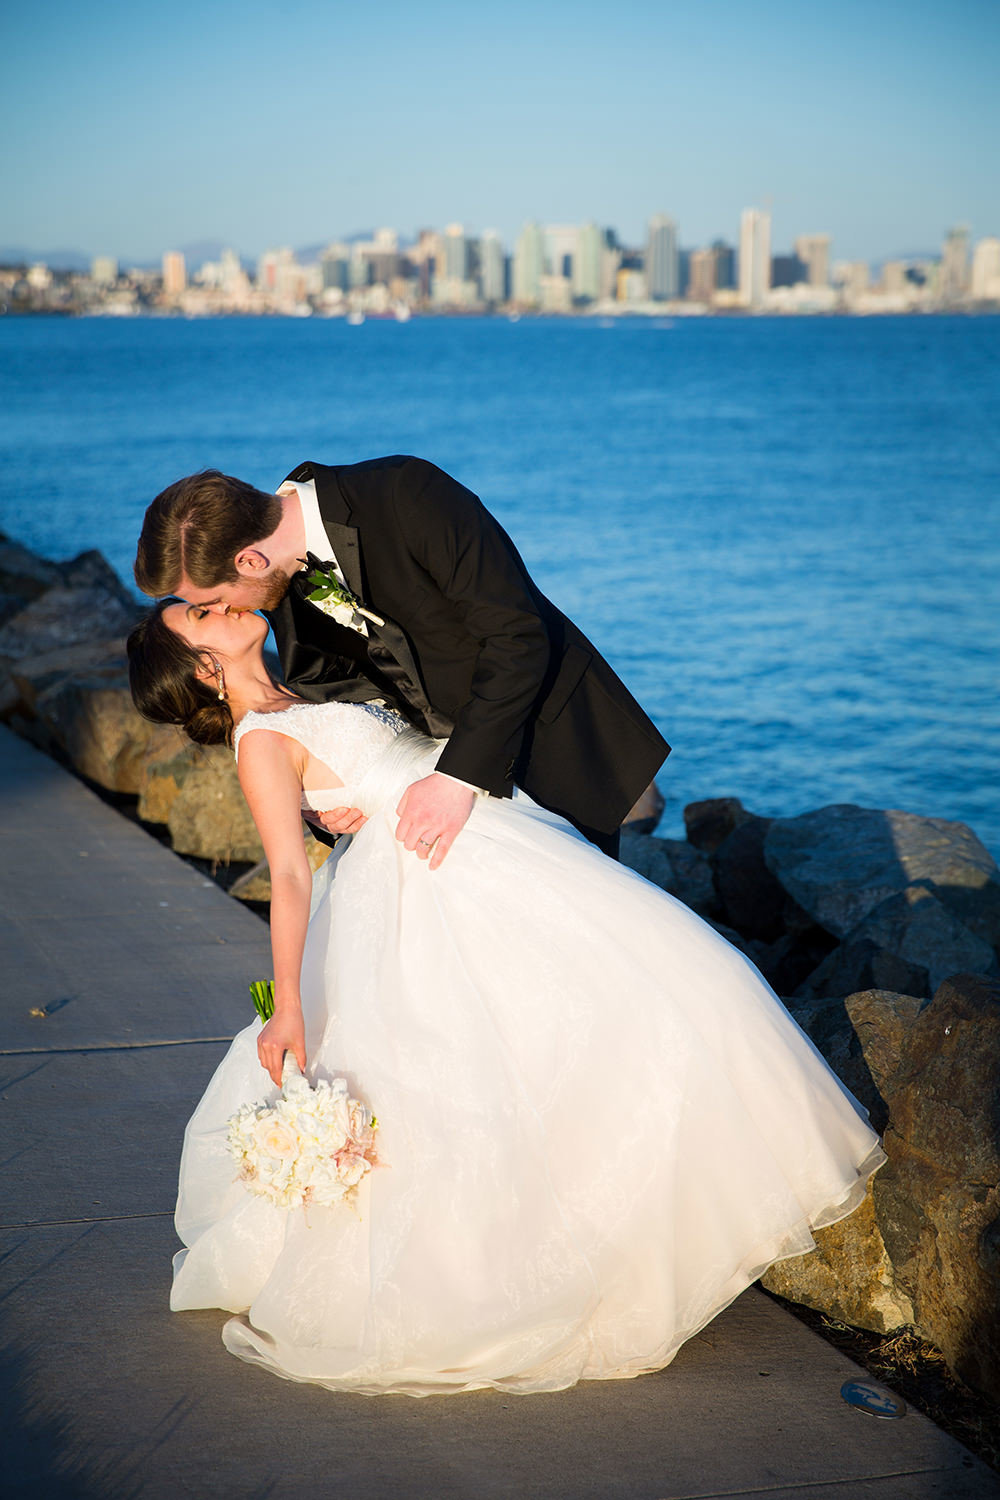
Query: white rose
275, 1139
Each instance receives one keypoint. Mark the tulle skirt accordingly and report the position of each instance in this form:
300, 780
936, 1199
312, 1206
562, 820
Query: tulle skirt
598, 1123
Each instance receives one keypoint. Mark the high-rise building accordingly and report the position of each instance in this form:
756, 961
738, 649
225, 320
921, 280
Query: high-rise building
703, 269
561, 246
893, 281
174, 273
986, 271
529, 264
587, 263
425, 257
814, 252
456, 253
662, 278
953, 283
492, 267
755, 256
334, 265
788, 270
104, 270
725, 265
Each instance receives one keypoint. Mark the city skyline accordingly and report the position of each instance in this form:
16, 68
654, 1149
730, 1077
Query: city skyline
554, 268
137, 131
207, 248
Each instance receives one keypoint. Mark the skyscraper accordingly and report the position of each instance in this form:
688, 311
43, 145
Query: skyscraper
529, 264
661, 259
954, 280
587, 263
491, 267
725, 265
755, 256
703, 270
104, 270
561, 246
456, 253
813, 250
174, 273
986, 270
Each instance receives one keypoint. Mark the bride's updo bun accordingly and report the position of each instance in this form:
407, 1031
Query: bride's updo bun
161, 672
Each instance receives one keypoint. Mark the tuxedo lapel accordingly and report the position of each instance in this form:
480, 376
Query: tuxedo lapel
389, 650
347, 551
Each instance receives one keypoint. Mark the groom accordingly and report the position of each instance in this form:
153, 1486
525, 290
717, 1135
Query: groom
437, 616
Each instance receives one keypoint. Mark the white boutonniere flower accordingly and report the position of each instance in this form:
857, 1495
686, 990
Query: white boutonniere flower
336, 600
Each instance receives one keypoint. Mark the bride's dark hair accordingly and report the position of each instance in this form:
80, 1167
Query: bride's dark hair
161, 674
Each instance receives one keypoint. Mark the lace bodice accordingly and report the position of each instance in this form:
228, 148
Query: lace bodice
346, 737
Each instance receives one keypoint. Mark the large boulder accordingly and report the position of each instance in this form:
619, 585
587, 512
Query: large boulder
197, 794
195, 791
849, 1275
84, 601
925, 1250
841, 862
93, 721
674, 866
23, 576
752, 900
938, 1201
910, 941
709, 822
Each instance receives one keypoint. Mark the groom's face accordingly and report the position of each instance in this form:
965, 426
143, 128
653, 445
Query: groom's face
264, 592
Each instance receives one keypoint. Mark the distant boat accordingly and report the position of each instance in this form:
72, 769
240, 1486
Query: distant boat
402, 312
355, 318
513, 317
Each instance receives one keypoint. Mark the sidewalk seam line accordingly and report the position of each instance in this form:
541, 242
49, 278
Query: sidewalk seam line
189, 1041
162, 1213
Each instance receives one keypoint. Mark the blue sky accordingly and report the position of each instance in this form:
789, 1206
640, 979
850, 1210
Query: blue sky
132, 128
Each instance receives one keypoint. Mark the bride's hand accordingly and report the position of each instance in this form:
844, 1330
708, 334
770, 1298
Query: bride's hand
284, 1032
340, 819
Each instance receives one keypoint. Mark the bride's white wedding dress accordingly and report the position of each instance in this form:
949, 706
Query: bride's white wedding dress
599, 1124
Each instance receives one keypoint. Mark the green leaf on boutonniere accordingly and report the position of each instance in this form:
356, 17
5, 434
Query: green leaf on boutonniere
327, 587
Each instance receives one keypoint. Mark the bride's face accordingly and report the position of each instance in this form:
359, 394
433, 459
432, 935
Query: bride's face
230, 636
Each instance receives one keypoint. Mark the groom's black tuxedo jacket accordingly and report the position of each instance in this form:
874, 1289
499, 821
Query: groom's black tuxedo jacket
470, 648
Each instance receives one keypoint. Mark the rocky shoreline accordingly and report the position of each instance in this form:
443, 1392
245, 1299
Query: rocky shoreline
879, 929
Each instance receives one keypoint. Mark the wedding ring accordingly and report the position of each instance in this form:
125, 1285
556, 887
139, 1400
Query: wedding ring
427, 842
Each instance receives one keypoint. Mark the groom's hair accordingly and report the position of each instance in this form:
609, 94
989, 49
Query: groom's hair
196, 527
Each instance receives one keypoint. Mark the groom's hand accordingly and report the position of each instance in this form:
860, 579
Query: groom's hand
432, 813
339, 819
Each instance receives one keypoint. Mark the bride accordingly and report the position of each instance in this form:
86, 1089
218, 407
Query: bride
599, 1124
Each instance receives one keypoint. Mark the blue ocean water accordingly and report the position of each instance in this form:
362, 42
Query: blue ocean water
783, 533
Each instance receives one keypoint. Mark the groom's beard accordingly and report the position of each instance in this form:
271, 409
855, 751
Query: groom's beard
271, 590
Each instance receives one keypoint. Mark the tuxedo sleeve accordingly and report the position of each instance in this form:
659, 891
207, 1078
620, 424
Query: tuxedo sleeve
473, 562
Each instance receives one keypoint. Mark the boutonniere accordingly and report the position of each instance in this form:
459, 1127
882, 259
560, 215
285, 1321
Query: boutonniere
335, 598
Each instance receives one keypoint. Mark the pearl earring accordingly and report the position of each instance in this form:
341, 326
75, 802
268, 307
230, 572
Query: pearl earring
222, 684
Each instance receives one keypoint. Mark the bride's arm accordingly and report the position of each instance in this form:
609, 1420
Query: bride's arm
271, 778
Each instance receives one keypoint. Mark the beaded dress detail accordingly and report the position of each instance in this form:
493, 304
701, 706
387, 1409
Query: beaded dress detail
599, 1122
346, 737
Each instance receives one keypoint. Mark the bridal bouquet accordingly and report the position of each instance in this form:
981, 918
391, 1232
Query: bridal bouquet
313, 1146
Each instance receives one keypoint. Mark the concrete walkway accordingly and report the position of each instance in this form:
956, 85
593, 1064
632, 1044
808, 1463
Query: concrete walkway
124, 973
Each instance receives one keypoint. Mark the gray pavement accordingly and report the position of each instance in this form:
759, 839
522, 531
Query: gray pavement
125, 972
